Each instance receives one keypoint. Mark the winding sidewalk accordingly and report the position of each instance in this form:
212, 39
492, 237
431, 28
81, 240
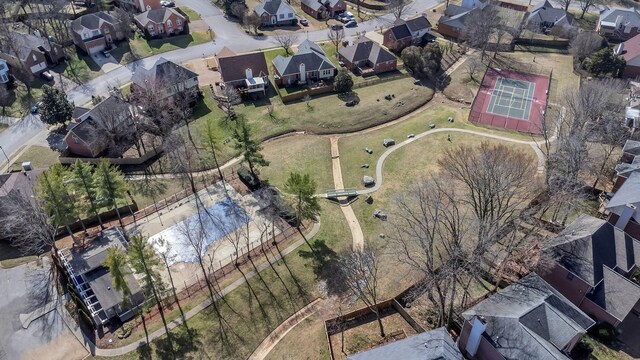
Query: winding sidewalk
95, 351
379, 165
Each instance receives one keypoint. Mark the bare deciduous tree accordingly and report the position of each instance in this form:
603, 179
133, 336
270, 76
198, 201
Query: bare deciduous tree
26, 224
252, 21
397, 7
336, 36
286, 40
585, 5
585, 43
480, 26
471, 67
360, 274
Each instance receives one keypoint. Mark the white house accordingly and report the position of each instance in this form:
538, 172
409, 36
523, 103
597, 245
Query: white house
276, 13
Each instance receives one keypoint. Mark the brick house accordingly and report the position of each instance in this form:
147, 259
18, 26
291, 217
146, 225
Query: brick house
276, 13
161, 22
246, 72
618, 23
526, 320
84, 136
140, 5
36, 52
366, 57
405, 33
593, 265
308, 64
630, 51
452, 23
323, 9
166, 79
96, 32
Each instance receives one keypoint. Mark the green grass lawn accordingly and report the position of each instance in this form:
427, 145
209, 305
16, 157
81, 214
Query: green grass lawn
21, 100
269, 55
80, 68
41, 157
192, 14
250, 324
461, 85
323, 114
144, 192
603, 352
303, 154
139, 47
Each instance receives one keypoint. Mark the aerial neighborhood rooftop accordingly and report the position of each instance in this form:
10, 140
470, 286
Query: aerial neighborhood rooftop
320, 179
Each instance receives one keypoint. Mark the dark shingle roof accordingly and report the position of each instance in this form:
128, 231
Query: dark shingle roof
365, 49
590, 248
92, 21
23, 43
309, 54
158, 16
233, 67
271, 7
313, 4
418, 23
400, 31
88, 129
163, 71
530, 320
431, 345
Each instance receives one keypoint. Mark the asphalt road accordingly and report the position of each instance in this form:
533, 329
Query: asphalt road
24, 289
19, 134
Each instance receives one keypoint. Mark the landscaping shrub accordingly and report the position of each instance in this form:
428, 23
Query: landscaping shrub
343, 82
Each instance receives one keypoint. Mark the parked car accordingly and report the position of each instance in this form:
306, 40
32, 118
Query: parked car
46, 75
352, 102
167, 3
304, 22
36, 107
337, 27
351, 24
349, 14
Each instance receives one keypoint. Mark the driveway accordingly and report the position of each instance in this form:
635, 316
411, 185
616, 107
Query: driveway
27, 288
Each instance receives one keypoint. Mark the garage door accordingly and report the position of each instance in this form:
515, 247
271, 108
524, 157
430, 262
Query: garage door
39, 67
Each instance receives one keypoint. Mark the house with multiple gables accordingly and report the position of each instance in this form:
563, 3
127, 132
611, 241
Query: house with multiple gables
276, 13
544, 17
308, 64
406, 33
526, 320
365, 57
96, 32
452, 23
161, 22
36, 52
323, 9
246, 72
85, 137
166, 79
618, 23
140, 5
594, 262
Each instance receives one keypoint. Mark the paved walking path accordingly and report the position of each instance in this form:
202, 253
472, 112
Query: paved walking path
356, 231
283, 329
91, 347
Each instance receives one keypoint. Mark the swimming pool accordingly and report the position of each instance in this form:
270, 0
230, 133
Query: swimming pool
210, 225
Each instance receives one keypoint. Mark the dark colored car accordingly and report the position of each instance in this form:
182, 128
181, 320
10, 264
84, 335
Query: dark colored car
167, 3
46, 75
351, 23
352, 102
304, 22
36, 107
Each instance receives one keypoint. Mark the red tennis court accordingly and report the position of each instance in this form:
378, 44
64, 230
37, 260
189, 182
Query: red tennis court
511, 100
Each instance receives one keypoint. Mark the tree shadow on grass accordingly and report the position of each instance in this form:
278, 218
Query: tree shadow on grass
325, 264
186, 342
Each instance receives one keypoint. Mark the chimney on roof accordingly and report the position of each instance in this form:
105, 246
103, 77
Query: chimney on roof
619, 49
477, 329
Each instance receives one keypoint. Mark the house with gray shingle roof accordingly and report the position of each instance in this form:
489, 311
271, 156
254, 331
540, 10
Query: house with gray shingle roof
308, 64
430, 345
544, 16
166, 79
323, 9
36, 52
526, 320
618, 23
96, 32
366, 57
407, 32
276, 13
161, 22
593, 264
